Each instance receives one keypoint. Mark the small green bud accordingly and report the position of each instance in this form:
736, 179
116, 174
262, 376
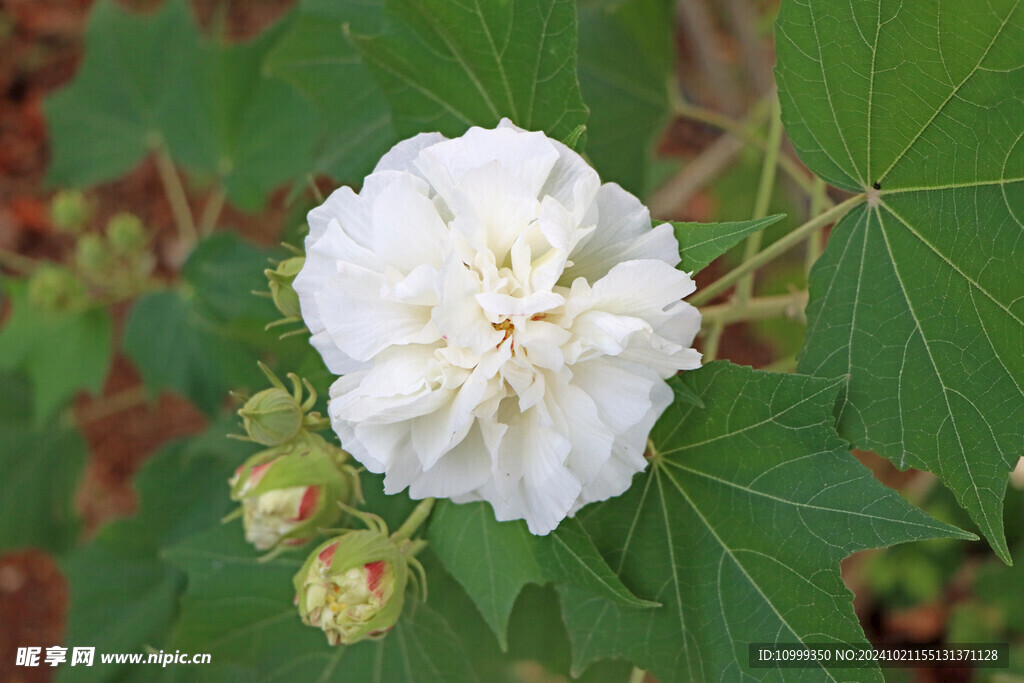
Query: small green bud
272, 417
286, 497
92, 256
280, 280
353, 587
126, 234
69, 210
53, 288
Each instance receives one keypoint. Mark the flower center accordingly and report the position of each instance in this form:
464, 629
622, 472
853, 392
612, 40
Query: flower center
505, 326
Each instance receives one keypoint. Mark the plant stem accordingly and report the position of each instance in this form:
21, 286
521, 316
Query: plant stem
637, 675
175, 195
760, 308
17, 262
211, 210
745, 287
415, 519
775, 249
742, 130
815, 245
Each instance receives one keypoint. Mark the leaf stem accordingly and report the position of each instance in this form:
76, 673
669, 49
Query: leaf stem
637, 675
760, 308
773, 250
211, 210
745, 287
815, 244
415, 519
17, 262
743, 131
175, 195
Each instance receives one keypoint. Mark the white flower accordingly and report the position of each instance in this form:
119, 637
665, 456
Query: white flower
503, 323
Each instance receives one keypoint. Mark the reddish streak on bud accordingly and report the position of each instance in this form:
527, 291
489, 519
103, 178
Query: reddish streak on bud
308, 504
256, 473
374, 570
326, 555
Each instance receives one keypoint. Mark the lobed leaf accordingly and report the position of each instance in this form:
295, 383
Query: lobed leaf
919, 297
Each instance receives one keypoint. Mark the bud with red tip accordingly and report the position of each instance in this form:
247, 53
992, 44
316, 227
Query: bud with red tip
288, 496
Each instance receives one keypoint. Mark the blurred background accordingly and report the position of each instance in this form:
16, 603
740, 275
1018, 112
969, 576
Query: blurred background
705, 166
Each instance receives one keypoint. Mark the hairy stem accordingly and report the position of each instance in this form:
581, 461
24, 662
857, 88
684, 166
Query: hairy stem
211, 210
175, 195
745, 287
815, 244
415, 519
760, 308
775, 249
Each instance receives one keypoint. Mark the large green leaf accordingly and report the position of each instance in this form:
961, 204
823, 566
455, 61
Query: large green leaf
202, 339
39, 471
124, 595
242, 611
63, 352
919, 297
494, 560
738, 527
318, 58
210, 104
625, 63
448, 65
702, 243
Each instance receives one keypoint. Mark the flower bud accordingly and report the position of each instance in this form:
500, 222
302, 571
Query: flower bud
126, 234
272, 417
280, 282
69, 210
286, 497
353, 587
53, 288
92, 256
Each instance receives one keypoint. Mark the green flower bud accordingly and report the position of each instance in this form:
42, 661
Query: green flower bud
92, 255
353, 587
272, 417
69, 210
280, 282
275, 416
53, 288
126, 234
287, 497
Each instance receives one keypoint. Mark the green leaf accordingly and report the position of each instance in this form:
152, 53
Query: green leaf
241, 610
738, 528
702, 243
448, 65
198, 340
919, 297
211, 105
123, 594
625, 63
318, 58
105, 121
494, 560
63, 352
39, 471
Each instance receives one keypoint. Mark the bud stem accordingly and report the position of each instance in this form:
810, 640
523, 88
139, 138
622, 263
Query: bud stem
418, 516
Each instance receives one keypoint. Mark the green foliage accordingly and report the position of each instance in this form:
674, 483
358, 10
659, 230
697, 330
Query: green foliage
702, 243
494, 560
39, 470
625, 62
202, 339
738, 527
210, 105
445, 65
32, 340
318, 58
123, 593
919, 297
242, 611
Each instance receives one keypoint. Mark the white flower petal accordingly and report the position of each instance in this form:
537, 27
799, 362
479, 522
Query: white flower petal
506, 321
